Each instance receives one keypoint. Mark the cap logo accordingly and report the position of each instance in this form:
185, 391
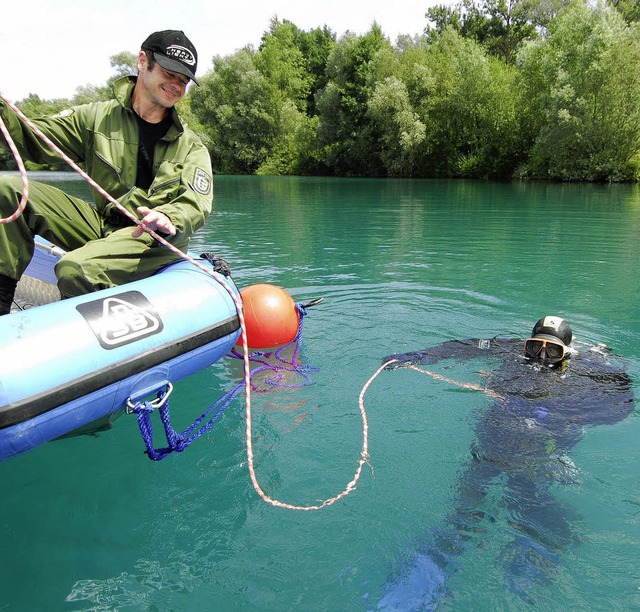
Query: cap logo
553, 322
182, 54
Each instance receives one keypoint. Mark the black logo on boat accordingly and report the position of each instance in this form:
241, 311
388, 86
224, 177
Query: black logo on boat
121, 319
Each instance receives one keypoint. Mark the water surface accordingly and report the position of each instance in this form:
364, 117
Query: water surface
91, 524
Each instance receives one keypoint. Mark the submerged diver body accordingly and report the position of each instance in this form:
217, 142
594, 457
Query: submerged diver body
543, 397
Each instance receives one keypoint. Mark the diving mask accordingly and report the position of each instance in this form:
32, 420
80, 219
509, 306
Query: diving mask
554, 349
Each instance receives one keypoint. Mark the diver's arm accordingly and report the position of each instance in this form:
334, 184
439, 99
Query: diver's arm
451, 349
607, 388
615, 402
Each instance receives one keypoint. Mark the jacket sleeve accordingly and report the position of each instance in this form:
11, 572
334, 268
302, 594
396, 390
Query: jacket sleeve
65, 130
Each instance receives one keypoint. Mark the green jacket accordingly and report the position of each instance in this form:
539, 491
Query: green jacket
102, 137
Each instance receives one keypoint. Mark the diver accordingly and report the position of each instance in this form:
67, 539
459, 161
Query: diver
542, 398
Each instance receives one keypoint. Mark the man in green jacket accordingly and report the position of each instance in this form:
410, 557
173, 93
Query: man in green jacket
136, 148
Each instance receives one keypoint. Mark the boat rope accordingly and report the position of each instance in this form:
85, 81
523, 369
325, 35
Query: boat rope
281, 364
176, 441
434, 375
246, 385
23, 173
456, 383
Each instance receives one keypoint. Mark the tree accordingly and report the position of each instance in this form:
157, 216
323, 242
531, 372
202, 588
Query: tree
345, 132
254, 105
500, 26
236, 105
282, 63
124, 63
629, 9
582, 87
316, 46
402, 133
467, 102
290, 60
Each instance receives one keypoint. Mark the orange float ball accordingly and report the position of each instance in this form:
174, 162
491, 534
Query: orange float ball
270, 316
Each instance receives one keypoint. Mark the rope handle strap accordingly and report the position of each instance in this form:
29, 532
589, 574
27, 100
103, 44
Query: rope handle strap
176, 441
179, 441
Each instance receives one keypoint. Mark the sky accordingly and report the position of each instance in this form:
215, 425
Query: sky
51, 47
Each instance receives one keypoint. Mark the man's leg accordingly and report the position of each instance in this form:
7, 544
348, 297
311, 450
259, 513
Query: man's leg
111, 261
66, 221
7, 291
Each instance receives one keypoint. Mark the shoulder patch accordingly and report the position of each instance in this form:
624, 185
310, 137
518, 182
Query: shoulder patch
202, 182
64, 113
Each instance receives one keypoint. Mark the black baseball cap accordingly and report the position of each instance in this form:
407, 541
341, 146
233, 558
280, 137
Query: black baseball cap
174, 52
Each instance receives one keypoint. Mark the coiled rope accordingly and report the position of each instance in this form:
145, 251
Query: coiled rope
364, 455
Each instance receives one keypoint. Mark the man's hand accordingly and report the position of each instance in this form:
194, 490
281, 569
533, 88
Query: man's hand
153, 220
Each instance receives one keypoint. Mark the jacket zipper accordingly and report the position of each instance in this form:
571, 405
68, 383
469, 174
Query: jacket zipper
156, 188
108, 163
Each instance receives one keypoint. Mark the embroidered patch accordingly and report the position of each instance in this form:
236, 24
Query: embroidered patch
201, 182
65, 113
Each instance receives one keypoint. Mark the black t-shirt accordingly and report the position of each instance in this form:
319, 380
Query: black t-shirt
150, 133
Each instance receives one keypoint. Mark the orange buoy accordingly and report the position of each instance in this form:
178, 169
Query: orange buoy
270, 316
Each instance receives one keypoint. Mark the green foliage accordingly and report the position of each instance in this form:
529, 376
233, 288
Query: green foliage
34, 106
449, 110
347, 136
402, 133
124, 64
500, 26
91, 93
254, 107
583, 92
238, 109
629, 9
473, 114
282, 63
493, 89
292, 62
316, 45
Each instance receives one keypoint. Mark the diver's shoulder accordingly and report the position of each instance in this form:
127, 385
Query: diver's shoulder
598, 357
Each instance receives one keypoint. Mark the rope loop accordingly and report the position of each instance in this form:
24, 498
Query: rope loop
23, 174
179, 441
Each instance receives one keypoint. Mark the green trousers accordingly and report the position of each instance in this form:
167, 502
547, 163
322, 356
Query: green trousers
100, 253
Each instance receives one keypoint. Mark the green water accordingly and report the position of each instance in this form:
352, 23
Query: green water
91, 524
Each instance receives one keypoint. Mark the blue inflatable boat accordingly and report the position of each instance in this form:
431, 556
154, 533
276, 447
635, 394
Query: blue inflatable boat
71, 366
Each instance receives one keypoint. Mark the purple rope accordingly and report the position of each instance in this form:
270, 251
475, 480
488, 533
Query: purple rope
283, 365
179, 441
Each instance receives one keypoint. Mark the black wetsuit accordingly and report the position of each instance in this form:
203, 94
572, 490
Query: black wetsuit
536, 416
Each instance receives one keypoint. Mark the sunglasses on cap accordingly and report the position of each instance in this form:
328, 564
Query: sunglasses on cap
554, 349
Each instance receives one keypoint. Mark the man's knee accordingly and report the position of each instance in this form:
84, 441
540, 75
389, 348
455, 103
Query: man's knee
76, 276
